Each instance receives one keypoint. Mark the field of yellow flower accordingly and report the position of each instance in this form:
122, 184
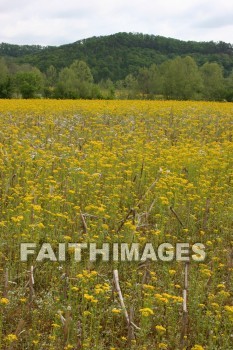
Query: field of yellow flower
115, 171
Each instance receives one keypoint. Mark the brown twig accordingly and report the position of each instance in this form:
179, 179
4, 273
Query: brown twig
185, 319
131, 335
31, 283
176, 216
118, 289
130, 323
131, 211
6, 284
83, 222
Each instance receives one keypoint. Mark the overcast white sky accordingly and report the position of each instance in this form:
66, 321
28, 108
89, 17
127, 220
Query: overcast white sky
55, 22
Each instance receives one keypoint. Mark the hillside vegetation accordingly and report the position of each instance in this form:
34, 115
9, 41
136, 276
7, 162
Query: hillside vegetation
113, 58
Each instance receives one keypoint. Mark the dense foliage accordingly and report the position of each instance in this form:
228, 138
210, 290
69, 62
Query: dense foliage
131, 65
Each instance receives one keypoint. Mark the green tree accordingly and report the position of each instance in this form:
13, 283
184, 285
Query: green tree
181, 78
131, 86
76, 82
29, 83
51, 77
5, 80
144, 81
213, 81
169, 78
107, 89
192, 84
228, 94
154, 80
82, 71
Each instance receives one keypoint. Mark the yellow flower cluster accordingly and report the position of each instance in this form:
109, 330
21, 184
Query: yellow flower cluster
146, 311
4, 301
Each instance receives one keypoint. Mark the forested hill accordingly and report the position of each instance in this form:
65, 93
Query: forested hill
12, 50
116, 56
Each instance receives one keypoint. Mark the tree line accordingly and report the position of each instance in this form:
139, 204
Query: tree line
177, 78
117, 55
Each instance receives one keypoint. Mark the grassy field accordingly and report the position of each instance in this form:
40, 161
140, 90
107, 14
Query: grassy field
115, 171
